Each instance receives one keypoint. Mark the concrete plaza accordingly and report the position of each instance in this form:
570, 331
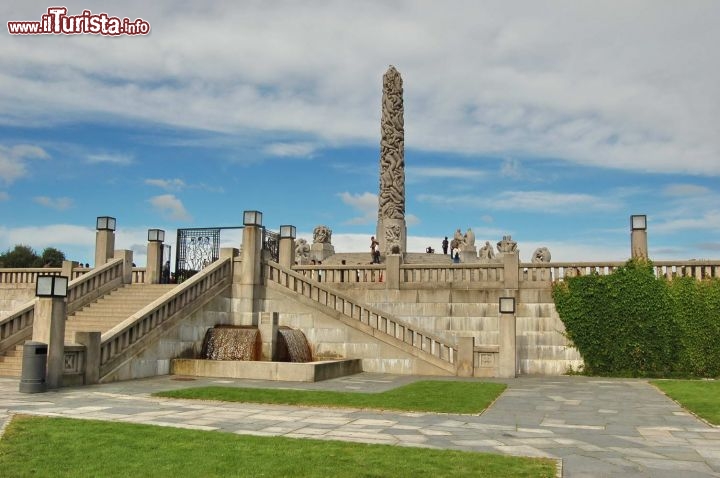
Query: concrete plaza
596, 426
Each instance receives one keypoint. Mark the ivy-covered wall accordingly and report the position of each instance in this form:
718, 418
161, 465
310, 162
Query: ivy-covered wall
632, 323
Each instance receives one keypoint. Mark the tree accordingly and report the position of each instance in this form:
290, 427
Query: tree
20, 256
52, 257
24, 256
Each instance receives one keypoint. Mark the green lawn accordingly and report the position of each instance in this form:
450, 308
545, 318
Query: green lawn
423, 396
63, 447
702, 397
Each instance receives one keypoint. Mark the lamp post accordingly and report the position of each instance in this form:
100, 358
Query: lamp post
506, 317
49, 323
104, 239
638, 236
153, 269
287, 245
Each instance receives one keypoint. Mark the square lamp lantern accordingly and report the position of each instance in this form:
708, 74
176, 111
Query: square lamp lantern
51, 286
638, 222
105, 223
156, 235
507, 305
287, 232
252, 218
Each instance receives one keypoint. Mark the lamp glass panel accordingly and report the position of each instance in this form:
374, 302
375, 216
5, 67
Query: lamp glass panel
44, 286
102, 222
639, 222
507, 305
61, 286
111, 223
252, 218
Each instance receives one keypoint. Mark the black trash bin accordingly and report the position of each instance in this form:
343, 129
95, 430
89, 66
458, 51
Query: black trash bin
34, 365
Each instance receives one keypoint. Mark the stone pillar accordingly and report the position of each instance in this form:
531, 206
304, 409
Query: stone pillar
507, 342
67, 269
465, 363
638, 244
153, 269
91, 341
250, 269
511, 263
391, 227
268, 325
287, 252
49, 328
104, 246
392, 271
127, 257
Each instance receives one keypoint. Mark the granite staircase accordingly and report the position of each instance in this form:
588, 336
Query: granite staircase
101, 315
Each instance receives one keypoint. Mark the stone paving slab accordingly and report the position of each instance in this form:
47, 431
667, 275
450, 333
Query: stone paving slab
597, 427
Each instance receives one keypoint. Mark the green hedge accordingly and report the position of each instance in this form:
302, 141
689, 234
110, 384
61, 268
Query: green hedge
631, 323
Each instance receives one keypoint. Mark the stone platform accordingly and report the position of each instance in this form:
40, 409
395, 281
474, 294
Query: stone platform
258, 370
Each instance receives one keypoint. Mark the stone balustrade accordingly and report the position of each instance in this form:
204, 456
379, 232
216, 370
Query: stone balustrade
138, 275
17, 327
95, 284
337, 274
26, 275
121, 341
477, 273
371, 317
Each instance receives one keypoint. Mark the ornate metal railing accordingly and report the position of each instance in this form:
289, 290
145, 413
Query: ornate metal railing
120, 342
381, 325
271, 243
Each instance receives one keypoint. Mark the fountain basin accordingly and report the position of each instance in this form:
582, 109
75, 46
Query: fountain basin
259, 370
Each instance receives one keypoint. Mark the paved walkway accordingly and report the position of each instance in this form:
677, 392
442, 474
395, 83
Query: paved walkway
598, 427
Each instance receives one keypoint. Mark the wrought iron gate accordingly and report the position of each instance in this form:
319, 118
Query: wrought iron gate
197, 248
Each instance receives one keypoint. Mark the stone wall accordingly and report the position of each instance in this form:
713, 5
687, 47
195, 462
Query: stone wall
12, 296
183, 340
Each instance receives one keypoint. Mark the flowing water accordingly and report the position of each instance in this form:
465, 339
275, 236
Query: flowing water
224, 342
295, 344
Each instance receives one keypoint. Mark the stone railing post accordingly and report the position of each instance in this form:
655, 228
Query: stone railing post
286, 248
511, 263
392, 271
153, 268
67, 269
91, 341
104, 240
268, 325
465, 359
49, 328
251, 268
507, 342
127, 257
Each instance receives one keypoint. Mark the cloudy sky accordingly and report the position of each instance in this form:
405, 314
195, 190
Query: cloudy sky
549, 121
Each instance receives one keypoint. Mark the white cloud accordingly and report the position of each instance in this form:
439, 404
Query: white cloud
60, 203
545, 201
682, 190
510, 168
13, 160
170, 206
174, 184
449, 172
301, 149
526, 90
366, 204
110, 158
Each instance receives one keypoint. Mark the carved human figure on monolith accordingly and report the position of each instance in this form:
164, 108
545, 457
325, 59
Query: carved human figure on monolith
392, 229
